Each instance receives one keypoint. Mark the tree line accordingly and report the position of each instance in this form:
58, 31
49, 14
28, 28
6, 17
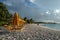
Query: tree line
28, 20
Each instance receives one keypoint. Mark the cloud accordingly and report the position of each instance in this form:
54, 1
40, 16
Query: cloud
36, 9
7, 3
31, 0
47, 12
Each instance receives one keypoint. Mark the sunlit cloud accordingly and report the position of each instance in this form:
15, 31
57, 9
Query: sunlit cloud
32, 0
47, 12
57, 11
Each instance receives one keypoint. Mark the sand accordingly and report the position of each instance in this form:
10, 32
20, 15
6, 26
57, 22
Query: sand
32, 32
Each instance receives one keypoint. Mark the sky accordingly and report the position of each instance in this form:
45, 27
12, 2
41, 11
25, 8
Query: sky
39, 10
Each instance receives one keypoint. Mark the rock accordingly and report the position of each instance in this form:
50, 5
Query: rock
17, 21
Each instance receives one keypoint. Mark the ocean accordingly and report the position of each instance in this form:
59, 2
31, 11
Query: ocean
53, 26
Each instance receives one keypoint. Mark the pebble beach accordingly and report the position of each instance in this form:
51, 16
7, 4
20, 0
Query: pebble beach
32, 32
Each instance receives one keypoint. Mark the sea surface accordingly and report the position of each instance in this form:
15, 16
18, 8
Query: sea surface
53, 26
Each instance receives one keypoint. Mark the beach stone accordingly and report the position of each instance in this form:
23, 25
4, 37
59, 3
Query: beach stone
32, 32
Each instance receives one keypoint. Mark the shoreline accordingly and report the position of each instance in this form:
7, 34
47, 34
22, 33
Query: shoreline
45, 27
33, 32
41, 25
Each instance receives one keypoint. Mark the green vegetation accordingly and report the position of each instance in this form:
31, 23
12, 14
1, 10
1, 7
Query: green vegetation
45, 22
5, 16
28, 20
